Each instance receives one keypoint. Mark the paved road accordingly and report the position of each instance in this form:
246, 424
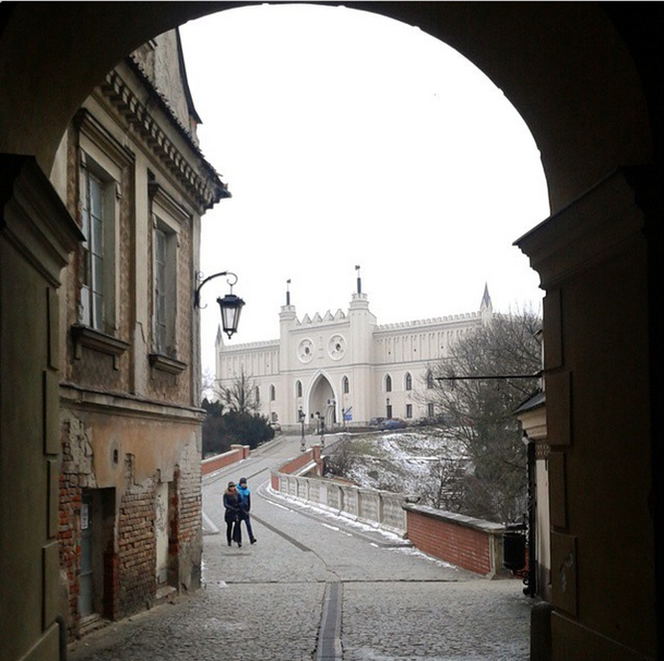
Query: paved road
316, 588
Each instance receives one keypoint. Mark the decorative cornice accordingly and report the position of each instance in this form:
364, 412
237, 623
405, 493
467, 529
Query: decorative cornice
128, 405
208, 190
90, 126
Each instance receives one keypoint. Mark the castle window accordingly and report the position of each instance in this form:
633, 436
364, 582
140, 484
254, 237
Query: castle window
273, 393
298, 388
429, 379
388, 383
345, 385
409, 381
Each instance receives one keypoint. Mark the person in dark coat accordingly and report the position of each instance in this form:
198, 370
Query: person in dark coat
232, 506
245, 498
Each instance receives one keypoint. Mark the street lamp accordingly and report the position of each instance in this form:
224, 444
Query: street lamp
301, 417
230, 305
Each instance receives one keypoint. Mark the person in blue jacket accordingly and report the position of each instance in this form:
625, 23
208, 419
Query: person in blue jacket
232, 507
245, 500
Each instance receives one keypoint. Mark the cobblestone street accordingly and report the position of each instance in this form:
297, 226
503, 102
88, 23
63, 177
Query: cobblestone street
315, 588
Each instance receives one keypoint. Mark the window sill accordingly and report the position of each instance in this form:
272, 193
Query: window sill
85, 336
166, 364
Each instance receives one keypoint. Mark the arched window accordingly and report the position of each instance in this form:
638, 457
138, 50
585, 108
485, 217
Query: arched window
409, 381
298, 388
429, 379
257, 394
273, 393
388, 383
345, 385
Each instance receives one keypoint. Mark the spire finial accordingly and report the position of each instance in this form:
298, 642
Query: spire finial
288, 291
486, 299
359, 280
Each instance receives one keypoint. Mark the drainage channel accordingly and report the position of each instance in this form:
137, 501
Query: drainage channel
329, 634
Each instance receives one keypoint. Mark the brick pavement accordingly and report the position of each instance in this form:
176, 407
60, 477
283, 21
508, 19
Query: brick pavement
313, 579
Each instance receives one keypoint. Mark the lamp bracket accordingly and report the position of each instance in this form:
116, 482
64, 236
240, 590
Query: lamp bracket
197, 293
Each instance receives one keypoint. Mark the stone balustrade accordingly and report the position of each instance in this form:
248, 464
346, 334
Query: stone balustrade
379, 509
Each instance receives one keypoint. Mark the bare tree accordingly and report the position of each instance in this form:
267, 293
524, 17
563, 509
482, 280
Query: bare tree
241, 395
207, 384
476, 391
444, 487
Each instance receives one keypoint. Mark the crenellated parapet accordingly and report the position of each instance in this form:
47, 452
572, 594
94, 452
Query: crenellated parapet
420, 323
318, 320
249, 346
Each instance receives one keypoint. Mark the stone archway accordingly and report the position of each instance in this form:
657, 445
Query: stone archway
585, 77
322, 401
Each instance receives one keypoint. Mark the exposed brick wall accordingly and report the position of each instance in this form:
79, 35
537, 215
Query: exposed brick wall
186, 528
75, 474
136, 546
69, 538
293, 465
456, 542
235, 454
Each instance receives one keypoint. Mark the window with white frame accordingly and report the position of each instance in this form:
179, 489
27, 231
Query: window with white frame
98, 209
164, 292
167, 219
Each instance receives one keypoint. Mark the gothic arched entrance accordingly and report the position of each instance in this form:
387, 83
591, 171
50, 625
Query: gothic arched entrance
322, 402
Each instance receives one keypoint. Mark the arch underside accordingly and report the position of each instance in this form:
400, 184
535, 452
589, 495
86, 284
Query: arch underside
587, 99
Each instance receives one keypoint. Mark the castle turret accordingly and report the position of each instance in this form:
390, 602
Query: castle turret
287, 321
362, 326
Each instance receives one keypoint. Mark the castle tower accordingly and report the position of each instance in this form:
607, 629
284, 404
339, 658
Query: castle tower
287, 322
362, 325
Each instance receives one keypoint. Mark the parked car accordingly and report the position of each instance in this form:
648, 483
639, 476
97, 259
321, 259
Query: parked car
393, 423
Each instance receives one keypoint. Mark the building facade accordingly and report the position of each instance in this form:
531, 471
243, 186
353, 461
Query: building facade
344, 369
132, 177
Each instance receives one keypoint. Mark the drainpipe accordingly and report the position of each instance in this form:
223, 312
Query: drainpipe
531, 585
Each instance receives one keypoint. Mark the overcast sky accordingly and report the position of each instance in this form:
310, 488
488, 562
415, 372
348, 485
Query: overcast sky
348, 139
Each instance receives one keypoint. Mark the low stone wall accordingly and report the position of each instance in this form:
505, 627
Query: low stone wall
469, 543
381, 509
235, 454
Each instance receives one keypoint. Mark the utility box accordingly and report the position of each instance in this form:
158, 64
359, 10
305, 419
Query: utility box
514, 547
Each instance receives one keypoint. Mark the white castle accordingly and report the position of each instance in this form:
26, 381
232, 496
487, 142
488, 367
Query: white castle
345, 369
